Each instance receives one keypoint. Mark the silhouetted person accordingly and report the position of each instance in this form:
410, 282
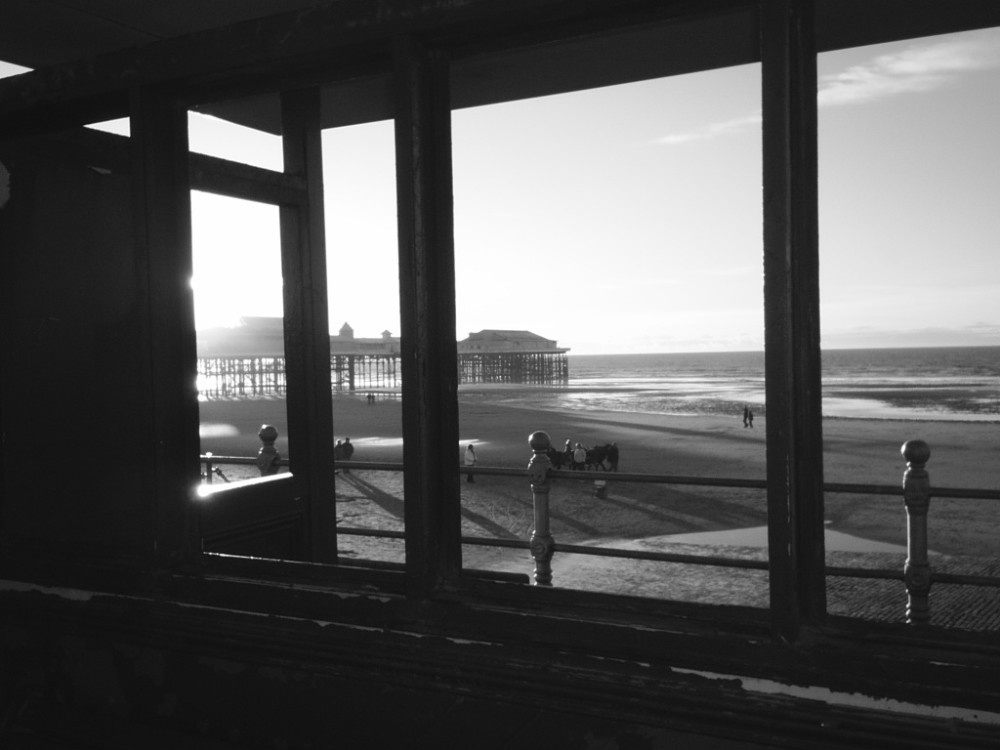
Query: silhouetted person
746, 416
579, 457
348, 452
750, 418
470, 461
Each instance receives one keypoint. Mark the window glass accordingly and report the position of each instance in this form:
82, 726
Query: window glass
610, 293
366, 375
909, 177
229, 140
240, 332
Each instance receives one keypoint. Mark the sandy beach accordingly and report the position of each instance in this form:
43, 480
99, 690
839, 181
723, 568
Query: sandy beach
679, 518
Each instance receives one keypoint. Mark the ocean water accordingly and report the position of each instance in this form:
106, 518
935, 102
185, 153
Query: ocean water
953, 383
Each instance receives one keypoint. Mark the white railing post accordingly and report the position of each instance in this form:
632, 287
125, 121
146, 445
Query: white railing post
917, 496
267, 456
542, 543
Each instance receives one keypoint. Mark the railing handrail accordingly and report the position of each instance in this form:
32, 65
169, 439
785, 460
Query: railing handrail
647, 478
834, 571
915, 489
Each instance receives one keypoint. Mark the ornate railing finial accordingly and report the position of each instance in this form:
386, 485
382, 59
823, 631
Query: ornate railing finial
542, 543
917, 496
267, 456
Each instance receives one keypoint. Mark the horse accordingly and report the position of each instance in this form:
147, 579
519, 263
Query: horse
596, 456
558, 458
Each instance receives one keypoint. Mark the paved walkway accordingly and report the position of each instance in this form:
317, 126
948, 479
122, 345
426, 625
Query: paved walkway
974, 608
951, 605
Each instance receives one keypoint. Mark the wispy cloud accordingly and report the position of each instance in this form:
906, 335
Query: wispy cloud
735, 125
915, 69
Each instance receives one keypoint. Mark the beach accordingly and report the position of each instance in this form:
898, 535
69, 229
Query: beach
653, 516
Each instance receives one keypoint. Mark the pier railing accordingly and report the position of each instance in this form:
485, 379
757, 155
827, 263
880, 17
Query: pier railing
917, 574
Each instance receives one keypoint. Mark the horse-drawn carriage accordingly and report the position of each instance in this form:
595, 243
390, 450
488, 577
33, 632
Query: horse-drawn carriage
603, 457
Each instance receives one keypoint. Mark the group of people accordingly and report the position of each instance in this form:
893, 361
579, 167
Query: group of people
575, 456
580, 458
747, 417
343, 451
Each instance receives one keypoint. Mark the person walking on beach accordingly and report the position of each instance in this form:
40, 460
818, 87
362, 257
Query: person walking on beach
470, 461
750, 417
746, 416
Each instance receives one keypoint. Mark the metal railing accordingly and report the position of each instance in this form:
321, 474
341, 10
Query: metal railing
916, 574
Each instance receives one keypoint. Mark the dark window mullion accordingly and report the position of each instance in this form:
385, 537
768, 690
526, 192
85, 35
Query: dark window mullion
791, 310
307, 337
162, 223
427, 314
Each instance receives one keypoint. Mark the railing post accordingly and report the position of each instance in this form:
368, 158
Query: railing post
542, 543
208, 467
917, 496
267, 456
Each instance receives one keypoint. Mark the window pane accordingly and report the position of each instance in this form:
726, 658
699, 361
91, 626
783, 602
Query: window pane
229, 140
625, 224
239, 319
360, 189
909, 184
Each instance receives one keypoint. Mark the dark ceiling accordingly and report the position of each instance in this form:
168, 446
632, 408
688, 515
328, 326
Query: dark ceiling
39, 33
36, 33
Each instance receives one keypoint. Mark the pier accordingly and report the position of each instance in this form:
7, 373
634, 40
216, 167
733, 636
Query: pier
249, 360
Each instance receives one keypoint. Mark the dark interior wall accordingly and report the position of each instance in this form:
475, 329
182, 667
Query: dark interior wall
109, 675
75, 425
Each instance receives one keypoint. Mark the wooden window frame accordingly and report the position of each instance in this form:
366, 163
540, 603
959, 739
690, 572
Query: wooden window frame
420, 56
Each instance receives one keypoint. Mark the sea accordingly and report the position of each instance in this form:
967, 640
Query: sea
942, 383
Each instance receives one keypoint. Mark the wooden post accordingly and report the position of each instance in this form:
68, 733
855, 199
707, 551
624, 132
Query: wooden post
161, 203
428, 350
917, 496
306, 324
542, 543
794, 424
267, 456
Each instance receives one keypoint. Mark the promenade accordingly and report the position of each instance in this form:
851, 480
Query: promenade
962, 533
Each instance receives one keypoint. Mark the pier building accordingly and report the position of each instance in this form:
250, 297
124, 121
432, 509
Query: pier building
520, 357
249, 359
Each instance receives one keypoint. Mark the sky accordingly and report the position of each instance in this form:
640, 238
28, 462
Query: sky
628, 219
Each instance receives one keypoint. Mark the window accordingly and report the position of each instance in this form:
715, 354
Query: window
589, 217
909, 167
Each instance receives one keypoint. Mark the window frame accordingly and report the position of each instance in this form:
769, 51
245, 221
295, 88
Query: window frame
421, 61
